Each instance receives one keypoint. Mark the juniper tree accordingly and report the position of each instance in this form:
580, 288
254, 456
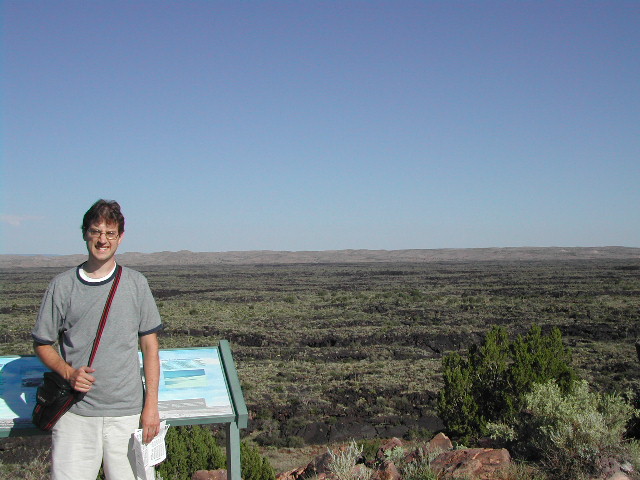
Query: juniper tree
490, 383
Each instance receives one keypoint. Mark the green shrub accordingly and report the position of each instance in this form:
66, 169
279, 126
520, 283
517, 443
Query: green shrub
192, 448
295, 441
370, 448
571, 431
418, 433
538, 358
189, 449
489, 384
457, 405
254, 465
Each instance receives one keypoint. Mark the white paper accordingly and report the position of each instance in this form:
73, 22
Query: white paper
149, 454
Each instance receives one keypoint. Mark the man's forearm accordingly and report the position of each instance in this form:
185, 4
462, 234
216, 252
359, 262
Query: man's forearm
150, 418
151, 366
152, 380
51, 359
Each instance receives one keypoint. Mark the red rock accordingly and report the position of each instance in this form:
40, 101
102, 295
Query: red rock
291, 474
387, 447
318, 465
619, 476
479, 463
388, 471
440, 442
220, 474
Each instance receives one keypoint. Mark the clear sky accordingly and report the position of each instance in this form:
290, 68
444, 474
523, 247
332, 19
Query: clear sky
321, 125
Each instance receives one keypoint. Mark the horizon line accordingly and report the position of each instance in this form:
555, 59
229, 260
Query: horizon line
324, 251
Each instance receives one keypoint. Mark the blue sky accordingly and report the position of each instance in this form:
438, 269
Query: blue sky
308, 125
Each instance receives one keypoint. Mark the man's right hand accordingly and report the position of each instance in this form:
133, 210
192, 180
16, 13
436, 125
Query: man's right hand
81, 379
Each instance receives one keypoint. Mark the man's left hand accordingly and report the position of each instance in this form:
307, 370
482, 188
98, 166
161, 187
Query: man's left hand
150, 420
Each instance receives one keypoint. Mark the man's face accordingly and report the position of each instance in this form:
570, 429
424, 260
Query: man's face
102, 241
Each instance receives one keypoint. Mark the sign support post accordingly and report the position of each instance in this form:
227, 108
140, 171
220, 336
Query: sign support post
241, 414
234, 470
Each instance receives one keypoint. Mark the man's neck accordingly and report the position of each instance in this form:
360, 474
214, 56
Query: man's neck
98, 269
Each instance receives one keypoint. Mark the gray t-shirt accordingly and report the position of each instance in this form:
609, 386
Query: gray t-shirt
72, 308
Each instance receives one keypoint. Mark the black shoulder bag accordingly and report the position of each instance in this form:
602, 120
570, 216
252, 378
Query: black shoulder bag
55, 395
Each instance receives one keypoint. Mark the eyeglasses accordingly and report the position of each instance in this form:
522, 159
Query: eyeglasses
111, 235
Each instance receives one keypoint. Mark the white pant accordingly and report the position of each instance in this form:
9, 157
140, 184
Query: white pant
81, 444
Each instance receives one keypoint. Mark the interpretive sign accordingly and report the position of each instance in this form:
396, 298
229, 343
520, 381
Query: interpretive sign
19, 379
197, 386
192, 385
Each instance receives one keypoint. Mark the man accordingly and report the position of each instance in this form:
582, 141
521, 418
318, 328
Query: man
97, 429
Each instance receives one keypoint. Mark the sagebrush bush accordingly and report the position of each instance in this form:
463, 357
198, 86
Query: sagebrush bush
419, 467
488, 384
571, 432
521, 471
344, 460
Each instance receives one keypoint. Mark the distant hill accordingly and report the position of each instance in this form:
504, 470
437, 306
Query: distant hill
257, 257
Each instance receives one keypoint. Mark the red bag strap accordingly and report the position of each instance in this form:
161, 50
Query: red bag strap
105, 314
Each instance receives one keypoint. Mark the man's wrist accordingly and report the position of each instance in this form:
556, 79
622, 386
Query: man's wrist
67, 372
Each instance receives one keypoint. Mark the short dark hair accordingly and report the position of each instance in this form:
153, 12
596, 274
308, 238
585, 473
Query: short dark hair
107, 211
